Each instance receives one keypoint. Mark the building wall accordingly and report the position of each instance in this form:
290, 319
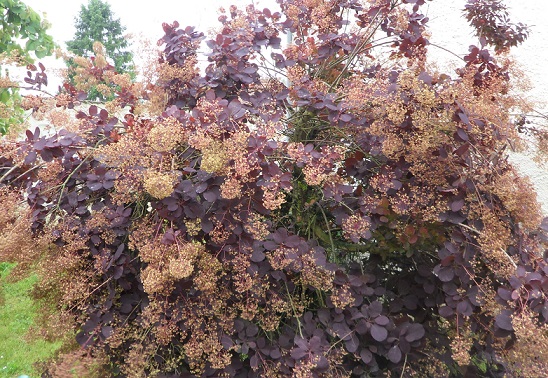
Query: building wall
450, 30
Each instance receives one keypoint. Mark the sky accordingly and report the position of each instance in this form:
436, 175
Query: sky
146, 17
137, 15
141, 18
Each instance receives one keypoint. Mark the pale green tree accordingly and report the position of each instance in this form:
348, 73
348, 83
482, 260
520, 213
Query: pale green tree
23, 38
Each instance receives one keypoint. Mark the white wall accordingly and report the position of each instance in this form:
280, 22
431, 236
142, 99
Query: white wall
450, 31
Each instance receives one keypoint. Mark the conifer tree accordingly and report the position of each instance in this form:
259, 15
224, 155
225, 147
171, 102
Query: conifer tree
96, 23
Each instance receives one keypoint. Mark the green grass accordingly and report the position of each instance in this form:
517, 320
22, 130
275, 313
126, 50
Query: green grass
17, 311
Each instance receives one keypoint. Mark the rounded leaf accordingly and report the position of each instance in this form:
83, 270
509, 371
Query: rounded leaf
394, 354
378, 332
504, 321
415, 332
382, 320
366, 356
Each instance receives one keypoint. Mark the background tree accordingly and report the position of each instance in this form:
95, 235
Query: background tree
317, 212
96, 23
23, 37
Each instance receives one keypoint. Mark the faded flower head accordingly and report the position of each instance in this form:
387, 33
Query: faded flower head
158, 184
356, 227
214, 157
165, 135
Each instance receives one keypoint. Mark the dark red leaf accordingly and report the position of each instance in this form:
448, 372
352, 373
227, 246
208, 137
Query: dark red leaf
462, 149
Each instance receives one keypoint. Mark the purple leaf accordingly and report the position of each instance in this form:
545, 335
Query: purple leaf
40, 144
504, 321
457, 205
257, 256
254, 362
275, 353
394, 354
352, 344
382, 320
415, 332
201, 188
379, 333
94, 186
464, 308
298, 353
118, 272
31, 157
446, 311
292, 241
462, 135
464, 118
366, 356
210, 196
345, 117
446, 274
107, 331
226, 342
374, 309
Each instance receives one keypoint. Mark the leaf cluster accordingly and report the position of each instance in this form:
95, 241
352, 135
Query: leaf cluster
19, 23
491, 21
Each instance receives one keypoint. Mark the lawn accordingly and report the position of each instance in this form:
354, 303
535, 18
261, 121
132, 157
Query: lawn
18, 352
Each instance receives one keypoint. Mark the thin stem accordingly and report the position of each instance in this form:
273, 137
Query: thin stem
404, 365
447, 50
328, 230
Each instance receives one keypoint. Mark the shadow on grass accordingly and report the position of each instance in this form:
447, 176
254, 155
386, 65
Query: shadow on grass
19, 350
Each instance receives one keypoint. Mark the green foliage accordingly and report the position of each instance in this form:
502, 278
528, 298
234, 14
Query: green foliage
20, 22
10, 99
17, 312
22, 36
96, 23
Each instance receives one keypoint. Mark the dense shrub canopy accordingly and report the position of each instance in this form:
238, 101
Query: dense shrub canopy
312, 210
